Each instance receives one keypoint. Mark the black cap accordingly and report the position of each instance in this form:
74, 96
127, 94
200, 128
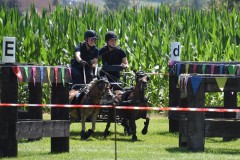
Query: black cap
110, 35
90, 33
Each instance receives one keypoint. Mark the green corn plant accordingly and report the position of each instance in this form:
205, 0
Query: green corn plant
145, 33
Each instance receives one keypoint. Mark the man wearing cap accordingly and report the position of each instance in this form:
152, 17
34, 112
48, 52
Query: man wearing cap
113, 55
85, 60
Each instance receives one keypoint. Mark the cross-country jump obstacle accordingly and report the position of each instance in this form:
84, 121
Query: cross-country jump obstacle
188, 83
15, 125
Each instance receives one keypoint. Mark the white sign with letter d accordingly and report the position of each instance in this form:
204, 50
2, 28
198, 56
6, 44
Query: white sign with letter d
175, 51
9, 50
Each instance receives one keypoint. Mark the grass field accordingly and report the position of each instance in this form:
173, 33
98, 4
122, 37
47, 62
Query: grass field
157, 144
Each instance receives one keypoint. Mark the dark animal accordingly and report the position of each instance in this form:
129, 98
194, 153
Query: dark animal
134, 97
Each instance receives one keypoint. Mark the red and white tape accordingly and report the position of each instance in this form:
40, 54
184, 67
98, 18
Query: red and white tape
54, 105
178, 109
123, 107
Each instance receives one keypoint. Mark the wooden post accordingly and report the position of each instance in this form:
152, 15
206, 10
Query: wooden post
59, 96
35, 97
8, 115
195, 120
183, 123
182, 132
230, 102
173, 102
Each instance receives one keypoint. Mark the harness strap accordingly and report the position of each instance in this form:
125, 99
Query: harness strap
115, 80
96, 69
84, 74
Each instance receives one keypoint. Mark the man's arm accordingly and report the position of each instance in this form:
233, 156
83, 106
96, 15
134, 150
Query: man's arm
94, 62
78, 56
124, 63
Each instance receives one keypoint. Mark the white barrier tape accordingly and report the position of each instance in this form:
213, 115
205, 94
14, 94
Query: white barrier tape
122, 107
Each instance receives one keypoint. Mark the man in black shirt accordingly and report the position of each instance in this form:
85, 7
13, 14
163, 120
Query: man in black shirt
113, 55
85, 60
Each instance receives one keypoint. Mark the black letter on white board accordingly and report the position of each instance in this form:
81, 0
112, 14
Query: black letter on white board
176, 54
8, 48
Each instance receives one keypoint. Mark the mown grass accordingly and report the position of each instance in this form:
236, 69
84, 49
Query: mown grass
157, 144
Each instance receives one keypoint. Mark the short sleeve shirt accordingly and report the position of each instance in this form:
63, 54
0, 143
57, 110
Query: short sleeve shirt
112, 58
86, 55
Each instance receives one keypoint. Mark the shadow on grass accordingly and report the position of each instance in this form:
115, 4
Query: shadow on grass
166, 133
177, 150
230, 151
220, 140
29, 140
95, 134
126, 140
29, 156
75, 135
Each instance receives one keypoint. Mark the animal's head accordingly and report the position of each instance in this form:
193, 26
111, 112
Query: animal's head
105, 87
103, 84
141, 79
97, 86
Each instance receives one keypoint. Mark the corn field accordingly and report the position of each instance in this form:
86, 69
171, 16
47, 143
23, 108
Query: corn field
145, 34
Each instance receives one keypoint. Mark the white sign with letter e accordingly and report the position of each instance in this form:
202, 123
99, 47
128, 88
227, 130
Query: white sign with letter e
175, 51
9, 50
